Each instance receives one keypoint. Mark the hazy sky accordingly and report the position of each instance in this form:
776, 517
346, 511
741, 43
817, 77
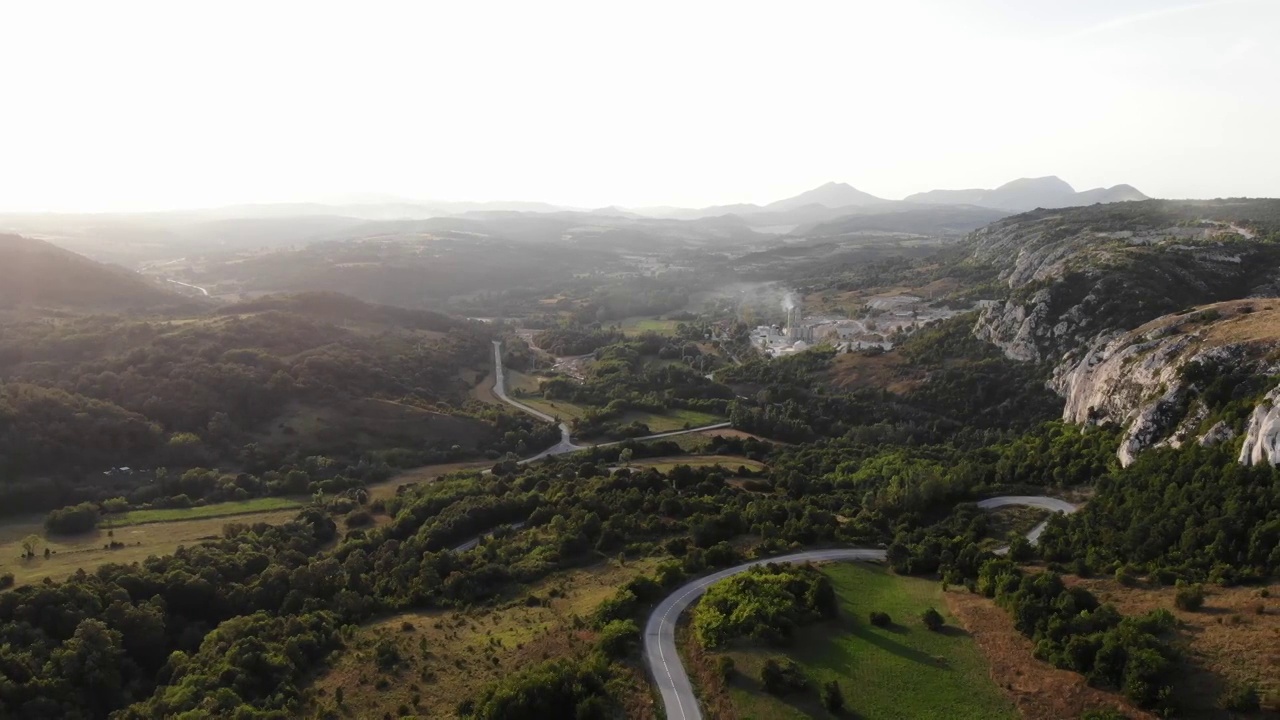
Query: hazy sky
126, 105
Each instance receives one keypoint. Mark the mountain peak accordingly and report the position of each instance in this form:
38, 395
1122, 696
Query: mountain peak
1048, 183
831, 194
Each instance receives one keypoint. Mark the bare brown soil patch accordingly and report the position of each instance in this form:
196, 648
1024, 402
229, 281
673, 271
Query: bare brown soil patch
886, 370
1040, 691
483, 391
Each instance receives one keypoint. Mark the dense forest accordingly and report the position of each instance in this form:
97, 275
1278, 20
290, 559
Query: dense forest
253, 388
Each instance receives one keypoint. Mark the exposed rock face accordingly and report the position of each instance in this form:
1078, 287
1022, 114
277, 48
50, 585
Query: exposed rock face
1079, 273
1218, 434
1262, 434
1137, 381
1131, 381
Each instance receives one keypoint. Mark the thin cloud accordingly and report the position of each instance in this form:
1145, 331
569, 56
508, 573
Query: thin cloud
1135, 18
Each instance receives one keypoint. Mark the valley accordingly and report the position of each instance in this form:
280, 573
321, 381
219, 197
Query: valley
519, 516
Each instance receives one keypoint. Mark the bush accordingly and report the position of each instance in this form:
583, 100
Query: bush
781, 679
724, 667
6, 581
932, 619
359, 518
387, 654
1189, 598
881, 619
1241, 698
72, 520
832, 698
618, 638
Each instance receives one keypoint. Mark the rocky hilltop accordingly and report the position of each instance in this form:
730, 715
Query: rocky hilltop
1072, 276
1203, 376
1160, 317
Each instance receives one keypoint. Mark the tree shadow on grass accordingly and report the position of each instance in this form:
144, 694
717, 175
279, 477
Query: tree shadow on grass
953, 631
891, 646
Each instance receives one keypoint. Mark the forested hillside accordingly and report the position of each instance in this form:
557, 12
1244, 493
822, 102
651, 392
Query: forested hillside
250, 388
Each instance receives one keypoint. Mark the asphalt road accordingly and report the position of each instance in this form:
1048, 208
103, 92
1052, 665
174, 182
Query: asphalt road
566, 444
660, 631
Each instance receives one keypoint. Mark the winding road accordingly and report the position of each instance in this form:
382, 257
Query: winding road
660, 631
194, 287
566, 444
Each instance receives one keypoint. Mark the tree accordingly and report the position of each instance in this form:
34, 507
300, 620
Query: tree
832, 697
933, 620
625, 456
29, 545
618, 638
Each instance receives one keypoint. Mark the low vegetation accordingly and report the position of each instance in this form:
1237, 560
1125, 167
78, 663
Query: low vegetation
877, 670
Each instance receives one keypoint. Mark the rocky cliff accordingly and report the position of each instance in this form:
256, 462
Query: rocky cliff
1201, 376
1073, 276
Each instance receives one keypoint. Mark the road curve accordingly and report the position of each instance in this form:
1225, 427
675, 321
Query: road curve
1047, 503
660, 631
566, 444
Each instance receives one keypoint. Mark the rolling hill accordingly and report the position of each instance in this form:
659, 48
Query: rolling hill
1027, 194
34, 273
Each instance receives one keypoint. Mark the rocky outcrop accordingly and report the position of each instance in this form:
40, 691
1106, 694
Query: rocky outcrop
1218, 434
1262, 433
1138, 381
1075, 274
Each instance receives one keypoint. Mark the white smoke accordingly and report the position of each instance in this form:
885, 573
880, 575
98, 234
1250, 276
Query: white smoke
789, 301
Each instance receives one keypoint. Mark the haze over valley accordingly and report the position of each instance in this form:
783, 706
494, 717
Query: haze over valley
500, 361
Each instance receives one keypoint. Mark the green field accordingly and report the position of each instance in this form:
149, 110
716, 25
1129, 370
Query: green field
728, 462
561, 409
637, 325
672, 419
226, 509
901, 672
89, 550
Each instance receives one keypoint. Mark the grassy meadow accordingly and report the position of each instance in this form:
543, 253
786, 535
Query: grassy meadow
900, 672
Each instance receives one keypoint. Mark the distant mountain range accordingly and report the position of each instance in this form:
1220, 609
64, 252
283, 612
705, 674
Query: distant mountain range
830, 210
834, 200
1028, 194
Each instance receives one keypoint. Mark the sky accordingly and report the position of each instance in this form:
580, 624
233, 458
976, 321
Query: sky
125, 106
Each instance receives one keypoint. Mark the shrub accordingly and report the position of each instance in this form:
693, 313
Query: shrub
359, 518
1241, 698
72, 520
781, 679
724, 667
1189, 598
832, 698
387, 654
932, 619
1124, 576
6, 581
618, 638
881, 619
